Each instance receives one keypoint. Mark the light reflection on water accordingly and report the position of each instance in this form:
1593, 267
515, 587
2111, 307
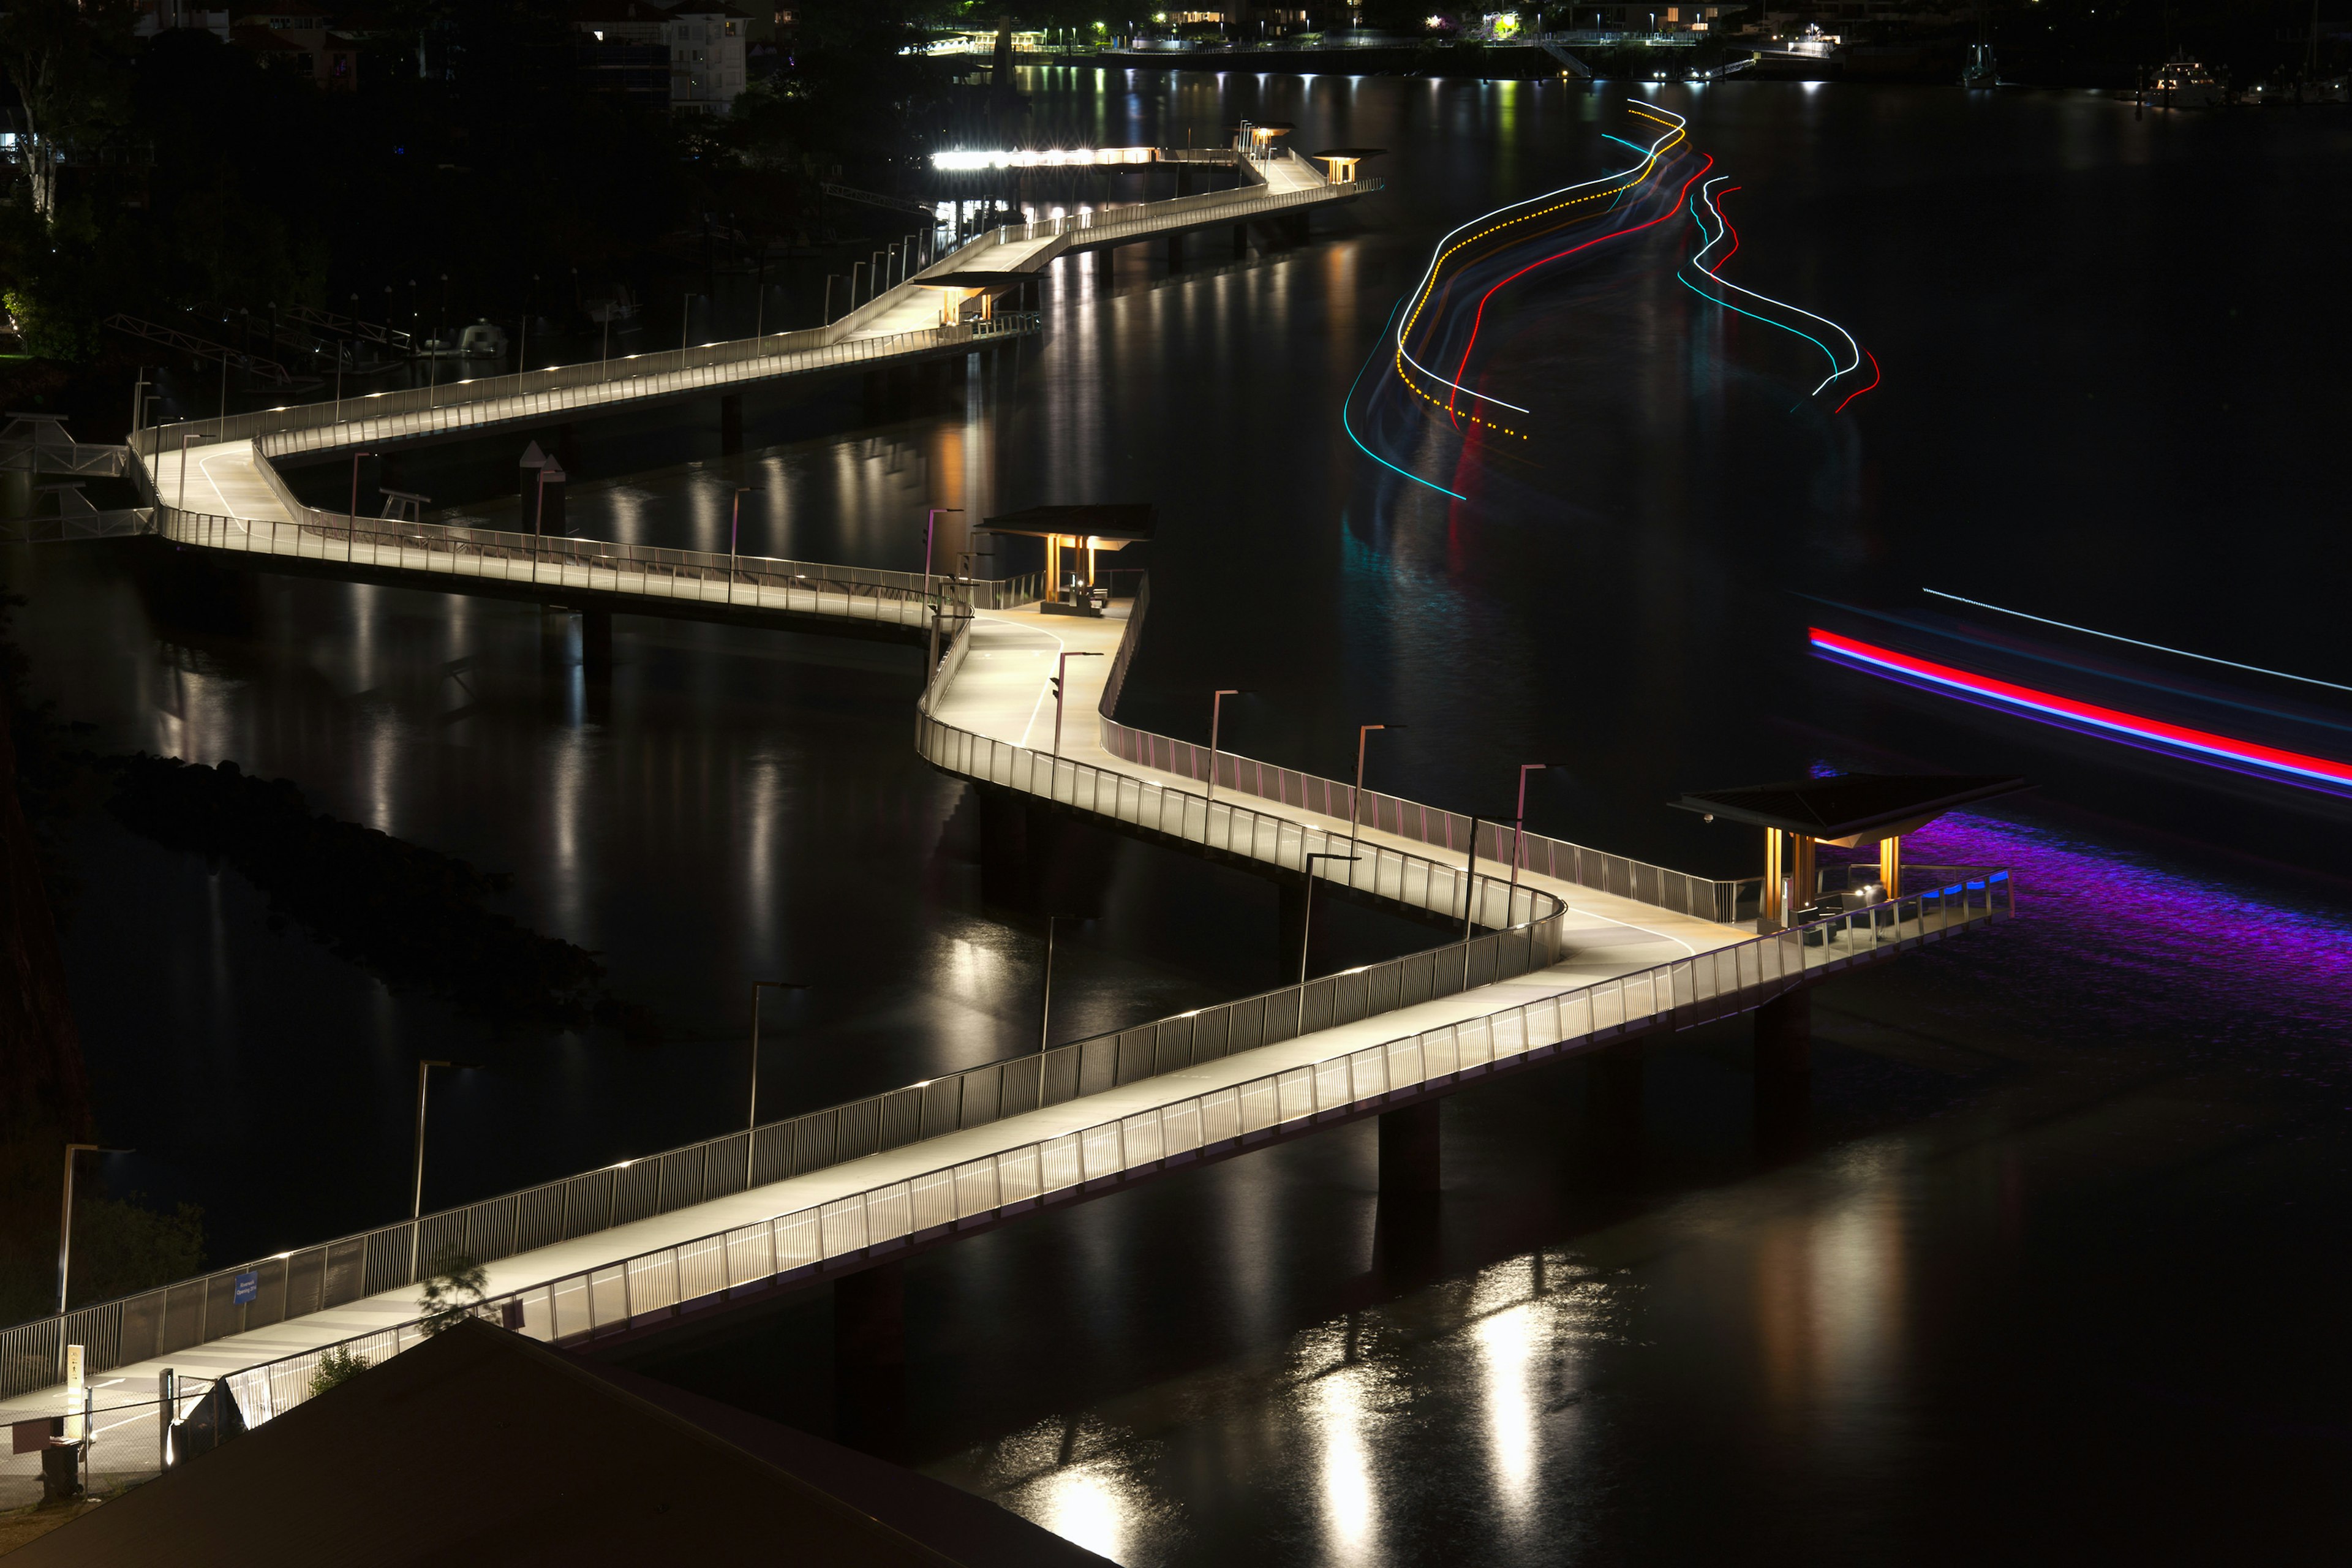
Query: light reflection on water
1349, 1437
1734, 1364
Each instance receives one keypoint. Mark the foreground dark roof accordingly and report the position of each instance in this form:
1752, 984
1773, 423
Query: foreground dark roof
1850, 803
484, 1445
1101, 522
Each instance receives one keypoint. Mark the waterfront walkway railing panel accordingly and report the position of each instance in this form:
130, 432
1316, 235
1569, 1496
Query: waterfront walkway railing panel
749, 582
158, 1321
807, 1244
569, 389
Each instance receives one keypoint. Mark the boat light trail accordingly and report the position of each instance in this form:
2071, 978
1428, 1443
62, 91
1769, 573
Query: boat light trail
1479, 318
1874, 378
1359, 440
1447, 246
1837, 371
2051, 707
2158, 647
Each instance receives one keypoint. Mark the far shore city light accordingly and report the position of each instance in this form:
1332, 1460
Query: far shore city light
1042, 157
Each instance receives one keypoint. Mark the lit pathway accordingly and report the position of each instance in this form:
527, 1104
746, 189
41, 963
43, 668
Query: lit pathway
995, 691
1001, 691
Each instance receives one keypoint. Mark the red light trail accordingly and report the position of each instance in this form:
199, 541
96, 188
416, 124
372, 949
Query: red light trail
2136, 726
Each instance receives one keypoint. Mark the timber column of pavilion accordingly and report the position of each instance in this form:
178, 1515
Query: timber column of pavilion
1850, 811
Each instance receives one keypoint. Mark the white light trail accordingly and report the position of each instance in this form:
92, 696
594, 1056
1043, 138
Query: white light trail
1439, 251
1706, 198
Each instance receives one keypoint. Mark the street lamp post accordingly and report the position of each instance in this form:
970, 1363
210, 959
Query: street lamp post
685, 325
352, 532
931, 524
751, 1115
734, 537
183, 469
1470, 882
1046, 1001
1356, 801
1520, 823
1216, 710
1307, 931
1061, 676
539, 516
65, 1215
417, 1189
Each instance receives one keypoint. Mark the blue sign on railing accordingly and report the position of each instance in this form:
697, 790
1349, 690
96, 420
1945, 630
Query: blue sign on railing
249, 1286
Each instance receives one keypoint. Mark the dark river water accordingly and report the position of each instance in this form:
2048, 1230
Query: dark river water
2053, 1268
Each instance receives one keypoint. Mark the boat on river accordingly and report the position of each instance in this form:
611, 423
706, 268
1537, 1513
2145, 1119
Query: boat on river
2182, 83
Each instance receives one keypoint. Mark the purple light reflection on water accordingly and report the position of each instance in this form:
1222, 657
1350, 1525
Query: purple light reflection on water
2108, 936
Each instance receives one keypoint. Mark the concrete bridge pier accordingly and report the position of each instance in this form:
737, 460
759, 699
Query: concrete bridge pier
869, 1358
730, 423
1038, 861
1241, 240
597, 645
1175, 253
1407, 1234
1613, 1110
1784, 1035
1103, 262
1410, 1164
1784, 1079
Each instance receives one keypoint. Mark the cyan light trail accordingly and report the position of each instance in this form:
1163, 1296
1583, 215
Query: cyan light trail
1723, 226
1359, 440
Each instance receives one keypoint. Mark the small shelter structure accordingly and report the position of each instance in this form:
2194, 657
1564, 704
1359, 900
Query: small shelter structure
1341, 162
1848, 810
968, 296
1076, 537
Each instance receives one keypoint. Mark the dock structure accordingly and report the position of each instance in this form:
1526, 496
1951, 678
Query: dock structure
1557, 964
1559, 950
215, 484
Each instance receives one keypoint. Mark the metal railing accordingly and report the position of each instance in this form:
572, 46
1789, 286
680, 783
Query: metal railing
52, 451
749, 582
807, 1244
1656, 886
157, 1322
461, 405
1213, 206
1723, 901
119, 523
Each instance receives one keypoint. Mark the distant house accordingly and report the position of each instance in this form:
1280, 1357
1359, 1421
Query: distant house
296, 36
706, 39
150, 17
621, 50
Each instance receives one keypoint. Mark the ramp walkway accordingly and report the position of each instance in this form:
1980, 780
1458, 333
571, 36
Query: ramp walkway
633, 1247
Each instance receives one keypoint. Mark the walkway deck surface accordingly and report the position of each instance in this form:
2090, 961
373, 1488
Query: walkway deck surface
1000, 691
